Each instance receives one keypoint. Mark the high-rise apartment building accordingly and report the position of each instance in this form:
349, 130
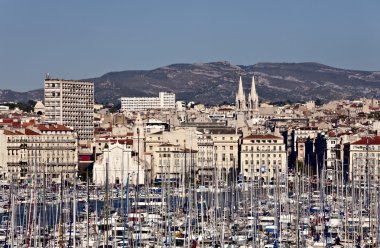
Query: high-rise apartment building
71, 103
165, 100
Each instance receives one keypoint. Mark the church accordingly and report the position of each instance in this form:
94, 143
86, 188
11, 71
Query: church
249, 108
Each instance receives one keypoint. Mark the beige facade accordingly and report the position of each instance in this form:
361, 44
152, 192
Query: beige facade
206, 165
226, 151
183, 137
263, 156
301, 150
173, 162
49, 149
365, 155
216, 149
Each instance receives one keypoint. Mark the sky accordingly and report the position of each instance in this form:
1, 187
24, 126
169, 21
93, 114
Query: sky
82, 39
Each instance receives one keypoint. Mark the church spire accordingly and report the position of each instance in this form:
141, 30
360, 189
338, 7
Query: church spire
253, 87
240, 90
240, 97
253, 100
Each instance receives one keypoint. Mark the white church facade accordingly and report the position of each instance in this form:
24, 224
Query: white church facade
118, 164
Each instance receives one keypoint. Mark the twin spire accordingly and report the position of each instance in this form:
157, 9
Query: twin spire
253, 99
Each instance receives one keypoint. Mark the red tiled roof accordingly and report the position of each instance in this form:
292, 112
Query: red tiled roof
120, 141
332, 134
7, 132
27, 124
225, 109
368, 140
52, 127
30, 132
356, 105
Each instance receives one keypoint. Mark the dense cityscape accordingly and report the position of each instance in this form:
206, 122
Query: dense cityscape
161, 172
189, 124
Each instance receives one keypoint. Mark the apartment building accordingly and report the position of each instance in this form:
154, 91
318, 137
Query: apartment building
226, 151
365, 157
165, 100
49, 149
263, 156
206, 165
174, 162
71, 103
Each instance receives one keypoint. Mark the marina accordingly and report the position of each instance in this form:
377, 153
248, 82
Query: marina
296, 210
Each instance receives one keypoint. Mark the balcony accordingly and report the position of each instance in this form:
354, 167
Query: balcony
62, 164
263, 151
13, 147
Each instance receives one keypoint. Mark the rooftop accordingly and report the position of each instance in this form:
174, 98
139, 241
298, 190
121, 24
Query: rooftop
368, 140
262, 136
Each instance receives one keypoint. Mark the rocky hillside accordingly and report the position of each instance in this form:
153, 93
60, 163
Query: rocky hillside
217, 82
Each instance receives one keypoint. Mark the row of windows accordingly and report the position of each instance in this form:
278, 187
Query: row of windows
263, 155
269, 170
262, 148
43, 138
264, 141
224, 138
361, 154
60, 150
178, 155
263, 162
364, 148
223, 148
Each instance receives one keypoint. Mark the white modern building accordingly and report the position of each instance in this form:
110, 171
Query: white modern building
165, 100
4, 109
71, 103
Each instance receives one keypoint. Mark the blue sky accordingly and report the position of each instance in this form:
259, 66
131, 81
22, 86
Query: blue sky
82, 39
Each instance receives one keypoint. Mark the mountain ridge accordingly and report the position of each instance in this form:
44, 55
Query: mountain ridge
217, 82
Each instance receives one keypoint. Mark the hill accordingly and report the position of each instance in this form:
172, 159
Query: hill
217, 82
